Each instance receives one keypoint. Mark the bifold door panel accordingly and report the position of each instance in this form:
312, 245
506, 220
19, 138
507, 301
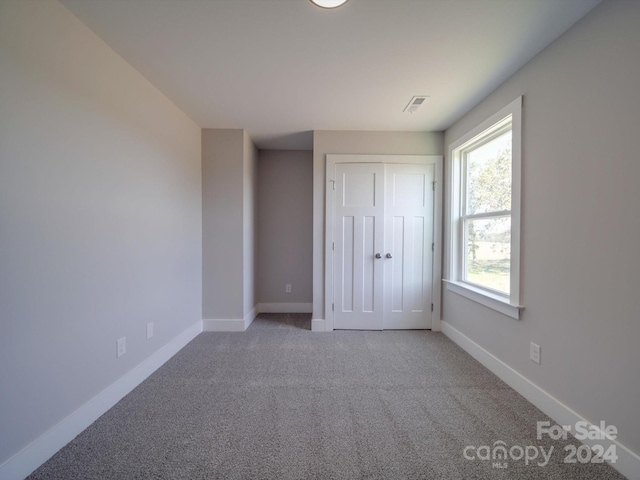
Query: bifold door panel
359, 233
408, 239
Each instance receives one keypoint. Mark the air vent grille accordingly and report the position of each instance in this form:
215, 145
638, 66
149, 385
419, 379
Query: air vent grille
415, 103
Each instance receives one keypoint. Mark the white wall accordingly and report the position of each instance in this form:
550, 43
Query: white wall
354, 142
100, 218
580, 222
285, 196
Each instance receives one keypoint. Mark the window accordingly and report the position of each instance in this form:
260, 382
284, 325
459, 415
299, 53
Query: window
484, 208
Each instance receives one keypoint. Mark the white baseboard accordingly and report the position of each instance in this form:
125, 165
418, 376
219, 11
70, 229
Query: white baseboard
285, 307
44, 447
229, 325
318, 325
223, 325
250, 317
628, 462
241, 324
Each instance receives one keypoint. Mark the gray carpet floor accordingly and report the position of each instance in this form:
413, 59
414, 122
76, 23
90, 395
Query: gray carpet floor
280, 402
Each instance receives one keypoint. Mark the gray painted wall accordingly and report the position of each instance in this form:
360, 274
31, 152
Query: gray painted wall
250, 223
285, 198
229, 185
100, 218
222, 227
355, 142
580, 222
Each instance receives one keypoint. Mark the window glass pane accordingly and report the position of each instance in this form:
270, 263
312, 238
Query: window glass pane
489, 176
488, 252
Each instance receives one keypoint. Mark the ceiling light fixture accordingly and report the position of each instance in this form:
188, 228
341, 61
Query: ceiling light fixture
329, 3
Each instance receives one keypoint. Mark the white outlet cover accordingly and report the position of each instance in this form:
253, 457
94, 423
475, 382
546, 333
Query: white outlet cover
149, 330
534, 352
121, 346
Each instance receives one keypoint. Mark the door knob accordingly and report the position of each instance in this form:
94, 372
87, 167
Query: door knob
378, 255
388, 255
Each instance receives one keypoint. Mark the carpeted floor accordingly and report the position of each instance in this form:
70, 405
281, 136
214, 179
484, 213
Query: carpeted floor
280, 402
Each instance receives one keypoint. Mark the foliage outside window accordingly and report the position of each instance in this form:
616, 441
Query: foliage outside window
486, 215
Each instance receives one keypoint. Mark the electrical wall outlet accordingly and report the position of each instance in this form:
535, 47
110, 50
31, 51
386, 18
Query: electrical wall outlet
287, 288
534, 352
121, 346
149, 330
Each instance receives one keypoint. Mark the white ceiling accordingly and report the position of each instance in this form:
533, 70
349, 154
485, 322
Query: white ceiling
282, 68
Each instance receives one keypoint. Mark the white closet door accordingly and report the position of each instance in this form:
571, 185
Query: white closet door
408, 255
383, 237
359, 236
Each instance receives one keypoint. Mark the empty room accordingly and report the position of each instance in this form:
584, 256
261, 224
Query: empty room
319, 239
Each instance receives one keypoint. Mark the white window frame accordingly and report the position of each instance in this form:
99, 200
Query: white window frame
508, 304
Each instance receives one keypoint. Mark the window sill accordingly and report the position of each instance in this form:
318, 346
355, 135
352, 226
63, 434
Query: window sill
487, 299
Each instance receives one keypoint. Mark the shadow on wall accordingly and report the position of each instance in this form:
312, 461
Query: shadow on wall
294, 141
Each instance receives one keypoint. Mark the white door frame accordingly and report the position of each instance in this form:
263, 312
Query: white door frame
332, 160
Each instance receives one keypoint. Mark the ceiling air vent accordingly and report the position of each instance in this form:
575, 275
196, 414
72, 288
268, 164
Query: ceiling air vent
415, 103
